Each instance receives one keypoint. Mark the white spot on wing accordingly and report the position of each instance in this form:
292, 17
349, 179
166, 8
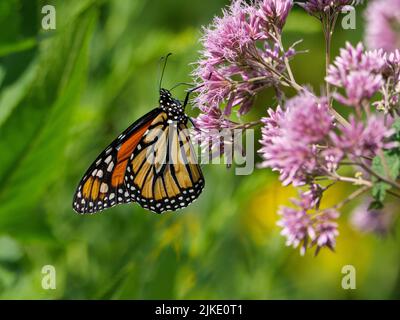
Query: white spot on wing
104, 188
108, 159
110, 167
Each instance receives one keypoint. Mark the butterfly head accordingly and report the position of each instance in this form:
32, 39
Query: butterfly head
173, 107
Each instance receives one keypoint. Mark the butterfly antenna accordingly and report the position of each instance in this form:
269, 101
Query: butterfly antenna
163, 69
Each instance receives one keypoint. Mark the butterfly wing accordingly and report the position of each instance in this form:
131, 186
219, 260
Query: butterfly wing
163, 173
103, 185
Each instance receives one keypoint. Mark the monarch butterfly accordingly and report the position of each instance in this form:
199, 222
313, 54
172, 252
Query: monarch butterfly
153, 163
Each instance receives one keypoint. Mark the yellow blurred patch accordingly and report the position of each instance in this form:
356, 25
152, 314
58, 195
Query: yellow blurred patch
261, 216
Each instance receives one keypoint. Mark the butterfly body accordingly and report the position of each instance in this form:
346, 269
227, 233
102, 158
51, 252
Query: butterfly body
172, 107
153, 163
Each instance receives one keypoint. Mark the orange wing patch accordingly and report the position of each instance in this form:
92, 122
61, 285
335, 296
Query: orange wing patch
87, 187
95, 189
124, 153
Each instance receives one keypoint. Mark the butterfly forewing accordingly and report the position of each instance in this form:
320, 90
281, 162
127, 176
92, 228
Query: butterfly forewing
103, 184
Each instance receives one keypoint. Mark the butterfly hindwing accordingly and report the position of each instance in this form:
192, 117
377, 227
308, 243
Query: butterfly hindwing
103, 184
163, 173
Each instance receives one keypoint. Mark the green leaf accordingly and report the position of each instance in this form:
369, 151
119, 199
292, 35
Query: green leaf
18, 46
35, 131
375, 205
379, 190
386, 166
11, 96
396, 127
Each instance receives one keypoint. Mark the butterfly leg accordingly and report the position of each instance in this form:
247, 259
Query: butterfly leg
193, 124
189, 92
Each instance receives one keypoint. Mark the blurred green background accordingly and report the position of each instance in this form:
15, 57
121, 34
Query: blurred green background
65, 94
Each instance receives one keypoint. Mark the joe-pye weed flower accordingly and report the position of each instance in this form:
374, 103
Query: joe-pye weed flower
305, 138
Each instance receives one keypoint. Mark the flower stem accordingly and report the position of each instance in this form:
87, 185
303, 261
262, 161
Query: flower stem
339, 117
356, 181
328, 26
247, 125
287, 63
394, 194
328, 38
351, 197
378, 176
372, 172
348, 199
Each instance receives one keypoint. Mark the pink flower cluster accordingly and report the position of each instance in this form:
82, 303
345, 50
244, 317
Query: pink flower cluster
290, 138
383, 21
241, 54
359, 73
363, 75
378, 221
301, 142
304, 229
320, 7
